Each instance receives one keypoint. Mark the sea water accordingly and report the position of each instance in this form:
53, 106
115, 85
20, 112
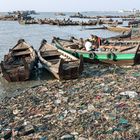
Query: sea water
12, 31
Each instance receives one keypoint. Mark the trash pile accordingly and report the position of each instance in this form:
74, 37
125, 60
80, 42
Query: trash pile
104, 103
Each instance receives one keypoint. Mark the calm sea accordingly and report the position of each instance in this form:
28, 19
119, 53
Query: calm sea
12, 31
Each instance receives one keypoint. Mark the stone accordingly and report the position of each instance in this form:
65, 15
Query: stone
28, 129
82, 138
131, 94
91, 107
15, 112
67, 137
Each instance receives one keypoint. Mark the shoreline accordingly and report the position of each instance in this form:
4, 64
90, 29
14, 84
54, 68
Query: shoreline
102, 104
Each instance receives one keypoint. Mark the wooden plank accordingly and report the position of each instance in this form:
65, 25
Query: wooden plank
47, 54
96, 28
129, 41
21, 46
21, 53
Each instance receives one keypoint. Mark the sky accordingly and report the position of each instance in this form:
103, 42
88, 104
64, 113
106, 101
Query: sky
68, 5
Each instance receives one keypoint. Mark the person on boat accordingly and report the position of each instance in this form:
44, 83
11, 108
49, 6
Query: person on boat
73, 39
104, 41
92, 38
97, 42
81, 43
88, 45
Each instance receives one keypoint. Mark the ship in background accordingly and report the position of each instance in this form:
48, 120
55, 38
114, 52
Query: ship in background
133, 11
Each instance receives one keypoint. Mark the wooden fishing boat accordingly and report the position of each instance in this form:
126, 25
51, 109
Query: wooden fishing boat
61, 64
111, 22
24, 22
60, 14
124, 35
119, 55
118, 29
19, 62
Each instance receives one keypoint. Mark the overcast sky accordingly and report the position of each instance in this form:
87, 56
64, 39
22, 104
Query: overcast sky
68, 5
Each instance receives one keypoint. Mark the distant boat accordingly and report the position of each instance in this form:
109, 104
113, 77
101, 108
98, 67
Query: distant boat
60, 14
133, 11
28, 12
118, 29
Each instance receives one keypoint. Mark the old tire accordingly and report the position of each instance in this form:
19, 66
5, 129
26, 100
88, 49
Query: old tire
111, 56
92, 55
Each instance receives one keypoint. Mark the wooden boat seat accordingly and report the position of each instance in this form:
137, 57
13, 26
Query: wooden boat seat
72, 46
119, 48
13, 69
9, 67
50, 53
67, 66
20, 47
54, 61
129, 49
21, 53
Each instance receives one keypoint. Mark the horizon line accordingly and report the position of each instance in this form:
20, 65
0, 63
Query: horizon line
64, 11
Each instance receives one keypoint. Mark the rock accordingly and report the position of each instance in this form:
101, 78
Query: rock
65, 99
26, 122
41, 128
131, 94
61, 91
61, 117
67, 137
74, 133
90, 107
43, 89
82, 138
65, 113
7, 134
15, 112
72, 110
57, 102
43, 138
102, 84
123, 121
48, 116
0, 127
28, 129
106, 89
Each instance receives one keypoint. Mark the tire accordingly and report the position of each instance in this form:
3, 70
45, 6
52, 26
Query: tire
111, 56
74, 53
92, 55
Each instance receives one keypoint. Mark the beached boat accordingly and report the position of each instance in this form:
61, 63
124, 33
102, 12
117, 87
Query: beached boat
119, 55
61, 64
118, 29
110, 21
124, 35
19, 62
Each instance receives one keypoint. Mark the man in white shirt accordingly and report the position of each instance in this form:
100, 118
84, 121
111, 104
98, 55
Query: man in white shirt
88, 45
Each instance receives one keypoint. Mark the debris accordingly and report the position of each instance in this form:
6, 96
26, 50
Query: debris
67, 137
77, 109
27, 130
131, 94
15, 112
